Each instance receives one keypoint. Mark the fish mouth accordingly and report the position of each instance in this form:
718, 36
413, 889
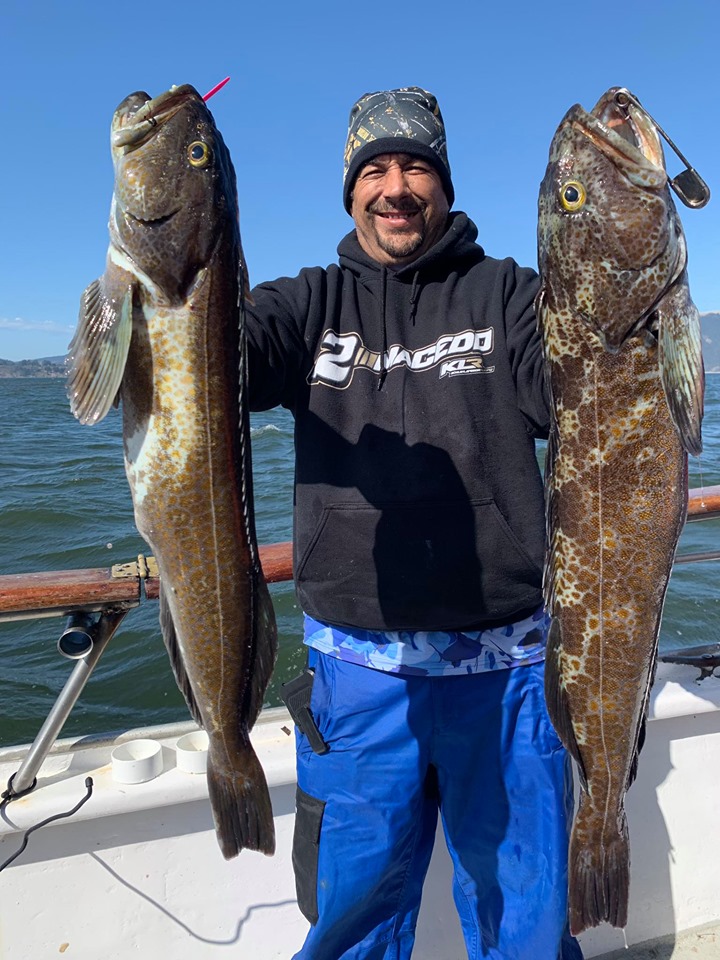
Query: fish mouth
139, 115
620, 112
152, 221
626, 135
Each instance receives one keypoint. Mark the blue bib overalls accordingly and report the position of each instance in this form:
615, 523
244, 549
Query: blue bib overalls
479, 749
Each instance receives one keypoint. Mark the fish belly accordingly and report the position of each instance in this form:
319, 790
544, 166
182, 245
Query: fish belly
186, 457
617, 494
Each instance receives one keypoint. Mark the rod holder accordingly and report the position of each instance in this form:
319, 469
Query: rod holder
77, 639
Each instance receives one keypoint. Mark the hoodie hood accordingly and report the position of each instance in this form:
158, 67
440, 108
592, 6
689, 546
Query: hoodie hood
457, 243
455, 248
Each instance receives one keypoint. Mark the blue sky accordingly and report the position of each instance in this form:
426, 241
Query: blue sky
504, 75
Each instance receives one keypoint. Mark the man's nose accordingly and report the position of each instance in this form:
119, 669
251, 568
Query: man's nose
394, 182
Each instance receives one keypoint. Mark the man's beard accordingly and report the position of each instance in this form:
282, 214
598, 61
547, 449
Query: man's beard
398, 245
402, 245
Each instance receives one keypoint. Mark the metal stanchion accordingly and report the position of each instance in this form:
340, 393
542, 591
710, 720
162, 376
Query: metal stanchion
94, 637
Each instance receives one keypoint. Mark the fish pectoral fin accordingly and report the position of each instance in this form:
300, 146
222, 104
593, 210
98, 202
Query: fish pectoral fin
167, 628
681, 363
98, 351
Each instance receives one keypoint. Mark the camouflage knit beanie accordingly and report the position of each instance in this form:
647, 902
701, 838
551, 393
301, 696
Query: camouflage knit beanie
407, 120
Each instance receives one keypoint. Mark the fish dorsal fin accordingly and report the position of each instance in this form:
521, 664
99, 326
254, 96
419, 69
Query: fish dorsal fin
681, 363
167, 627
551, 452
557, 700
244, 280
98, 351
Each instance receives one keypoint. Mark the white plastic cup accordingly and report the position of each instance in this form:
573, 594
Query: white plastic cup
136, 761
192, 752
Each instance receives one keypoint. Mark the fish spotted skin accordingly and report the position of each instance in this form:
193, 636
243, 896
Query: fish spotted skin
621, 340
161, 332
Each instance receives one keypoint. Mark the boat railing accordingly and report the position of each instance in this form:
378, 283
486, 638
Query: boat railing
96, 601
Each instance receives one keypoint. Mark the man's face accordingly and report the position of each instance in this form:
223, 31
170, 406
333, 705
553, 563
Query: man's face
399, 208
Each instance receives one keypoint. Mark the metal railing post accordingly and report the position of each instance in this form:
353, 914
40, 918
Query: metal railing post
24, 779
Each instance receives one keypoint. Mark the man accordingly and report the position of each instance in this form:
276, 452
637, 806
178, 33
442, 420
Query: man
414, 372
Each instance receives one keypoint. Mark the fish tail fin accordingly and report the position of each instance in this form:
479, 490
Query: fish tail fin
241, 806
599, 878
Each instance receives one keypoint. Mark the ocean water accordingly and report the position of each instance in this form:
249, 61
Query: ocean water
65, 503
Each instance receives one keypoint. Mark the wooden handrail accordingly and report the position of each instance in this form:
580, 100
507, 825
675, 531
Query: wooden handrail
704, 503
56, 592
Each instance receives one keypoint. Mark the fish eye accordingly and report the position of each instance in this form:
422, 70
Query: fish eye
198, 154
572, 195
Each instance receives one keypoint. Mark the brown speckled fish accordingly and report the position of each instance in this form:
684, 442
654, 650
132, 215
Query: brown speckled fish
621, 340
162, 332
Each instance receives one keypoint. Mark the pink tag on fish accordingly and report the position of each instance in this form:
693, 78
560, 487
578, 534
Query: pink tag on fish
218, 86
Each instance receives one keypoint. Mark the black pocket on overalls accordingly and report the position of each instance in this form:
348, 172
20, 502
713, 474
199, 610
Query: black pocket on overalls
306, 848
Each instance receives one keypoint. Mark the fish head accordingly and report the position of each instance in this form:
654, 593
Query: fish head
609, 239
175, 191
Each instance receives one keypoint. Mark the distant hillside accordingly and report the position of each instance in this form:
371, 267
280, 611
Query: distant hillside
45, 367
55, 366
711, 341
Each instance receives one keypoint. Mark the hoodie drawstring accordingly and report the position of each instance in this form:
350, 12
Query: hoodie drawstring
414, 296
383, 354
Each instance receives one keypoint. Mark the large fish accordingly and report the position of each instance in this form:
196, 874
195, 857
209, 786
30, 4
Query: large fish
621, 340
162, 332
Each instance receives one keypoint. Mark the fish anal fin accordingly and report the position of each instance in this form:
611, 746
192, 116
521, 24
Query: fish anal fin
99, 349
265, 650
557, 700
172, 645
681, 362
642, 726
632, 772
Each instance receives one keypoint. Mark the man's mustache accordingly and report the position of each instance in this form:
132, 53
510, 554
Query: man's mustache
385, 207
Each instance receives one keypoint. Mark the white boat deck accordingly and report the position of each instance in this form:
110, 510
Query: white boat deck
700, 944
137, 871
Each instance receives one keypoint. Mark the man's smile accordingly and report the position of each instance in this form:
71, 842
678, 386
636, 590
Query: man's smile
397, 218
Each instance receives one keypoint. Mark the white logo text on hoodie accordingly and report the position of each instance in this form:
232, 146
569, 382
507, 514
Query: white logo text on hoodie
340, 355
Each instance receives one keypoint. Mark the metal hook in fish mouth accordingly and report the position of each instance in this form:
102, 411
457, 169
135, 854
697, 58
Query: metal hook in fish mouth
688, 184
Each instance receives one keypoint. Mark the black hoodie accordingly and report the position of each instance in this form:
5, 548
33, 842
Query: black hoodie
417, 394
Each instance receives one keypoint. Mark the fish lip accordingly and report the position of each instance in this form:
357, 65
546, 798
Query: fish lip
134, 129
153, 222
641, 160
